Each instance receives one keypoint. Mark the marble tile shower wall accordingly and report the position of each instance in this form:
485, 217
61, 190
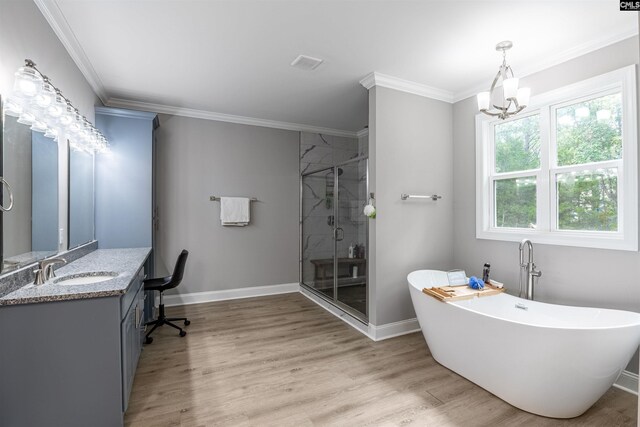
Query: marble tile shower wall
318, 152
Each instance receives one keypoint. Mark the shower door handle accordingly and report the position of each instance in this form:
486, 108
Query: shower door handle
338, 232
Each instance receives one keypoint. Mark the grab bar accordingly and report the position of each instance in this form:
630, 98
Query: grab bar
433, 197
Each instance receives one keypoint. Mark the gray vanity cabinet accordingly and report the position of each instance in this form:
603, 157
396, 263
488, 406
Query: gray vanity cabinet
70, 363
132, 334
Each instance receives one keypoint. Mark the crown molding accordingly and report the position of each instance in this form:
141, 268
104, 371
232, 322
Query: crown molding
120, 112
54, 16
556, 59
229, 118
363, 132
378, 79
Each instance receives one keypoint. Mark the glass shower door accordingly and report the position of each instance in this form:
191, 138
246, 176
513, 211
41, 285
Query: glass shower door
318, 231
334, 235
351, 241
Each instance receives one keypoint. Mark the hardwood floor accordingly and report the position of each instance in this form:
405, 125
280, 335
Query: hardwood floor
283, 361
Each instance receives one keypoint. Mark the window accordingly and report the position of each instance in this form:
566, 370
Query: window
565, 170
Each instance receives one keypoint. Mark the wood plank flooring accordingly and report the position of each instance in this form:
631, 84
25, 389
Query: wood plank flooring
283, 361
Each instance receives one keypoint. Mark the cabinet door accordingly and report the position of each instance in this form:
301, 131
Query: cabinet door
129, 331
132, 335
139, 314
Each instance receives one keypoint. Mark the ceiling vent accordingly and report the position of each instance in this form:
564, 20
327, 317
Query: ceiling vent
304, 62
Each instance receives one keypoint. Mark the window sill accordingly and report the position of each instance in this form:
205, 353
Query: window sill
582, 239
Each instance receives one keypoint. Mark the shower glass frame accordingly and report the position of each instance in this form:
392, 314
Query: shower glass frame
335, 299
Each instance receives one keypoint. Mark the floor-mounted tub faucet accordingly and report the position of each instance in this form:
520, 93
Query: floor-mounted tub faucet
527, 267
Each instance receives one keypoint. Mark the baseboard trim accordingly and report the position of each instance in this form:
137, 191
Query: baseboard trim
229, 294
373, 332
627, 381
395, 329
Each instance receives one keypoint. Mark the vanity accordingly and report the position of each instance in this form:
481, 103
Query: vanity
69, 347
70, 350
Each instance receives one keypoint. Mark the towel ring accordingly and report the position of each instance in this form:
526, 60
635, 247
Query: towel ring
6, 184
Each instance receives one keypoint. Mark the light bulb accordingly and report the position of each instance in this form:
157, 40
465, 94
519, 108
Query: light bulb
524, 94
57, 107
51, 133
38, 126
28, 82
13, 106
26, 118
510, 87
484, 100
67, 115
46, 95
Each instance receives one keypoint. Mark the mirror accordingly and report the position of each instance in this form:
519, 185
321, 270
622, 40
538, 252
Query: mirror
30, 166
81, 197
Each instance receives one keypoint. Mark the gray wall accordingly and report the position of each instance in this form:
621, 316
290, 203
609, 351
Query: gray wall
24, 33
410, 151
571, 275
123, 183
199, 158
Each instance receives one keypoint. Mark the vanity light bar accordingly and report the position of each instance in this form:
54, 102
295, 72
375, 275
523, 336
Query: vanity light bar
39, 104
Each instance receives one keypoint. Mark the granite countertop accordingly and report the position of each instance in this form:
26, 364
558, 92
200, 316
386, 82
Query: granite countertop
125, 262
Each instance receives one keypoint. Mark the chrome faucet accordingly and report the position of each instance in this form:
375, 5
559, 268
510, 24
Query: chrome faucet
45, 270
529, 267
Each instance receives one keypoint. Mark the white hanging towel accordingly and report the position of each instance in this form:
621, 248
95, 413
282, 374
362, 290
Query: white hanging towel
234, 211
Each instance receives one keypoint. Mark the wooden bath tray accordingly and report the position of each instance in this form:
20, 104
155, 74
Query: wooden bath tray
457, 293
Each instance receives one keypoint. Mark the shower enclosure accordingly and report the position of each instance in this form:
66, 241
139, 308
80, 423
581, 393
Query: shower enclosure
334, 234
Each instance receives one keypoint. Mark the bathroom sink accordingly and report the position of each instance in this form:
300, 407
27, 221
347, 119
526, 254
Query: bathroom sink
85, 278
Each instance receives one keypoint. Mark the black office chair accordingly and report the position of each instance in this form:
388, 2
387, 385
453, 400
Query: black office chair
162, 284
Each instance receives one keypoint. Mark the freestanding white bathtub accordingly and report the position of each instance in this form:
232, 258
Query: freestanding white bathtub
551, 360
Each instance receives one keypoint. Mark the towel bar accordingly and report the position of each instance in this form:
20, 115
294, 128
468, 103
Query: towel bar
217, 199
433, 197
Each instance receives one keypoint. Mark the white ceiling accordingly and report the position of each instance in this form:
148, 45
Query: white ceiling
232, 57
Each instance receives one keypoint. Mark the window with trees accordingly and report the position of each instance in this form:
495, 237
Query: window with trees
564, 172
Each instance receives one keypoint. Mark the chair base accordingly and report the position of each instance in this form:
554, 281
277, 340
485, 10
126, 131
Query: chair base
164, 320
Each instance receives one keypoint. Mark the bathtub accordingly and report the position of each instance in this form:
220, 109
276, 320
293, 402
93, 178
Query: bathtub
551, 360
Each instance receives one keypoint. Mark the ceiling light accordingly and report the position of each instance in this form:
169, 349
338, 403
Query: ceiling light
514, 99
38, 103
306, 62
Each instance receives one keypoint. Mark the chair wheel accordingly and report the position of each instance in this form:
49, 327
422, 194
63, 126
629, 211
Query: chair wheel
187, 322
182, 333
148, 340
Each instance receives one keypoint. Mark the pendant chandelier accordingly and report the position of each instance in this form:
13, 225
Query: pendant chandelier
513, 99
36, 102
